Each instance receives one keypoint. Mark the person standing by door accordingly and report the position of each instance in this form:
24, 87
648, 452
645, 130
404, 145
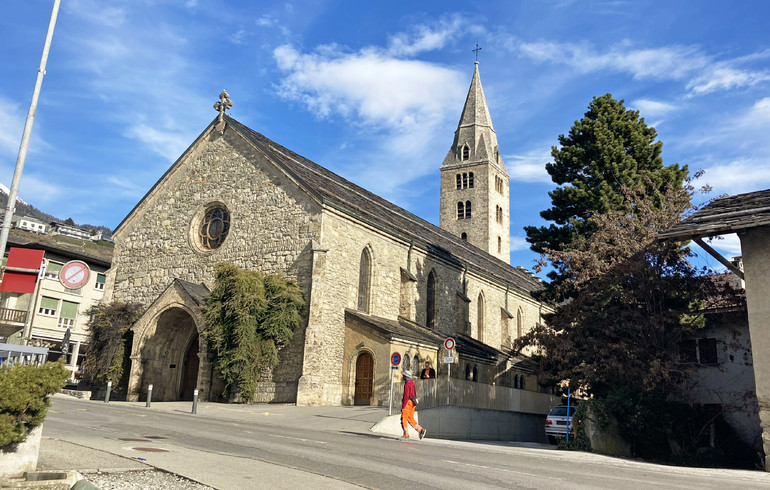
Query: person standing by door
409, 405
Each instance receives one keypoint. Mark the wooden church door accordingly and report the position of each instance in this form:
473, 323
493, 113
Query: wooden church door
364, 379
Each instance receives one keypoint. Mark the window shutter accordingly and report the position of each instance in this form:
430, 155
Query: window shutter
49, 303
53, 267
69, 310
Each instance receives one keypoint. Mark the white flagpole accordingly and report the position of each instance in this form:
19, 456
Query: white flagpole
14, 190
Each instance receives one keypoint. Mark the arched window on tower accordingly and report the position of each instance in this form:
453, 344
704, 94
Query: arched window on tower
475, 373
459, 181
519, 323
466, 152
465, 181
430, 303
464, 236
364, 281
499, 244
460, 210
481, 317
467, 209
470, 179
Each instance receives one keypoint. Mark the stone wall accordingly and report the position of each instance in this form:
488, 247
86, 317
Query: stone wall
272, 227
277, 228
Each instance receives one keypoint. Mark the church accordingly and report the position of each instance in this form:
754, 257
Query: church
377, 279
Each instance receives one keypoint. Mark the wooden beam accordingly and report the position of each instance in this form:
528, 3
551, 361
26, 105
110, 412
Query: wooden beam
717, 256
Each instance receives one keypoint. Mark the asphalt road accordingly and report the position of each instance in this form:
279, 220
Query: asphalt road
290, 447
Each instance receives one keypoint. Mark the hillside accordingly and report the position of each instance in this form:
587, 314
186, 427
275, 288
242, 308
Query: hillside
25, 209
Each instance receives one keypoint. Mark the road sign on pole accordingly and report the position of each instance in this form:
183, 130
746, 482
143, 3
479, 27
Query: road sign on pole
395, 359
74, 274
449, 343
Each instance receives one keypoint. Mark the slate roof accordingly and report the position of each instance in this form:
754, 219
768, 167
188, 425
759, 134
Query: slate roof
396, 329
198, 292
337, 192
402, 329
725, 215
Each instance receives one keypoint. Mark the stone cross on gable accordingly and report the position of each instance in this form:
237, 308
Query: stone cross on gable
221, 106
476, 51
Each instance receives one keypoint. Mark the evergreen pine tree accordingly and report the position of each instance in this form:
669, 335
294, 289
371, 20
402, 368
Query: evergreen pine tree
609, 150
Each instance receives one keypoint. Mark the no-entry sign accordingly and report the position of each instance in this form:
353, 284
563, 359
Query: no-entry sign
74, 274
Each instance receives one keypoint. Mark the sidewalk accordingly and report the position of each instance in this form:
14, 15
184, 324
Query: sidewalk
57, 454
348, 418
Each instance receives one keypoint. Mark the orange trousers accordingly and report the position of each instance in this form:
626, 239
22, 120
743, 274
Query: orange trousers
407, 416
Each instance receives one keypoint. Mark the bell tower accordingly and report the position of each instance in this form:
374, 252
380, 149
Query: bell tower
475, 201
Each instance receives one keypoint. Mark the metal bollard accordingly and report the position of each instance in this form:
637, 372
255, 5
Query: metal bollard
149, 396
109, 389
195, 401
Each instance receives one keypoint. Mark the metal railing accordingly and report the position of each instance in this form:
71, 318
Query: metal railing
441, 392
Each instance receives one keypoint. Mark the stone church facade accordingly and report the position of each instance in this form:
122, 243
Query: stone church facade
376, 278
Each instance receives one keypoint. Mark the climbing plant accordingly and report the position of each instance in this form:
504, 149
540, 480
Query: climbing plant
109, 342
248, 317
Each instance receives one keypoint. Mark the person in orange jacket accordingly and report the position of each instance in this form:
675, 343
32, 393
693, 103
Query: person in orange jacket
408, 406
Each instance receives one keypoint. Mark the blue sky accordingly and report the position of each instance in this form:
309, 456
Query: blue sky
374, 90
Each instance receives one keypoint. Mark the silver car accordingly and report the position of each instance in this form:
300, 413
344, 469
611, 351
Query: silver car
556, 423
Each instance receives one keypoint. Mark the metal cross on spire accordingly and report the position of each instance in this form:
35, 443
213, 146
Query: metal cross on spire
221, 106
477, 51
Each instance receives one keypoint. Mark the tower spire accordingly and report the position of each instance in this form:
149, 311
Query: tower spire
474, 182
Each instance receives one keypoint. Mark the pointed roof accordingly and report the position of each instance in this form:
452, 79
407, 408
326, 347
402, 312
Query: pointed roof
475, 129
475, 111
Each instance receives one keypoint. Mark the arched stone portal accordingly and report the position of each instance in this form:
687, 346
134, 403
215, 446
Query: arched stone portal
168, 352
164, 352
190, 370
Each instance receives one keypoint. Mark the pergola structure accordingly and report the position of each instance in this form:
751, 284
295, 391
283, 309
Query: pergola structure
748, 215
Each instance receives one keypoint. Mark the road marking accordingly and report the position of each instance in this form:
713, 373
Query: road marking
502, 469
52, 411
298, 439
82, 409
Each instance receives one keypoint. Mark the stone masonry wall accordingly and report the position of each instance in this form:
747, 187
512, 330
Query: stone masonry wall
272, 225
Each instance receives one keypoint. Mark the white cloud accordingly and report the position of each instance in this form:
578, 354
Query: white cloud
40, 189
652, 108
738, 176
169, 144
728, 245
671, 62
265, 21
530, 167
724, 77
237, 36
403, 108
425, 38
704, 74
97, 13
11, 127
368, 85
519, 243
148, 91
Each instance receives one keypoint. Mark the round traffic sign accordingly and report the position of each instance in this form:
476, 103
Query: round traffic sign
395, 359
74, 274
449, 343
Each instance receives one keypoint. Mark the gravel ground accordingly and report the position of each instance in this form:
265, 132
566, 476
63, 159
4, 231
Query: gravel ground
143, 480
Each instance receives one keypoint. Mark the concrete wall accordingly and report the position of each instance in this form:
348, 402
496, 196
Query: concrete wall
755, 244
462, 423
